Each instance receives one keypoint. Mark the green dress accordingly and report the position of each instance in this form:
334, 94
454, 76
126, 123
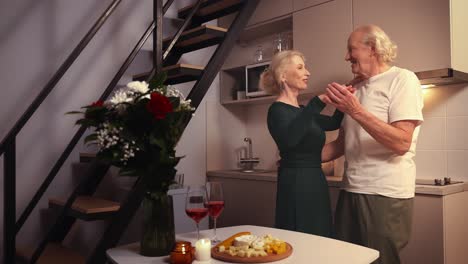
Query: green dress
302, 200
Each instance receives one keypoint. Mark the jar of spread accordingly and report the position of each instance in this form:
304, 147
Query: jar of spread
182, 253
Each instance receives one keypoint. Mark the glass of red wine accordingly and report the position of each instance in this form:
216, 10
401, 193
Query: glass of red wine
215, 204
196, 205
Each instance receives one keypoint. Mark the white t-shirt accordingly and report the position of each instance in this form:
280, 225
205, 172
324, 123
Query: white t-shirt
371, 168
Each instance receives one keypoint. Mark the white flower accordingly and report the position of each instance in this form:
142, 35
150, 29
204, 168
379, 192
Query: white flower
120, 97
141, 87
173, 92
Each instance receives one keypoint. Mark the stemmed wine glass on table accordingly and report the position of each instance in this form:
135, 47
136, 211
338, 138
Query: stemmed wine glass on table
196, 205
215, 204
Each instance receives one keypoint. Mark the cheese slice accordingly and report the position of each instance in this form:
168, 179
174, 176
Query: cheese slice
245, 240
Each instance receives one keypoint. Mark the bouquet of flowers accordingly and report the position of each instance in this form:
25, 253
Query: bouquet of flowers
137, 130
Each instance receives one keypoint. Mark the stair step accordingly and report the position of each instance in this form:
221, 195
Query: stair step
178, 73
88, 208
211, 9
87, 157
53, 254
197, 38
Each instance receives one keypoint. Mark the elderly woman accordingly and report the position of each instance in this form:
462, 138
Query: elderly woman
302, 201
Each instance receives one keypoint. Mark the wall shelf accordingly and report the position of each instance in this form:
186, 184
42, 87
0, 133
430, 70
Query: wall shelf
306, 95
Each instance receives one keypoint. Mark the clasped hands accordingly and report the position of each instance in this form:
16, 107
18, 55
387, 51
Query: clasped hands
342, 97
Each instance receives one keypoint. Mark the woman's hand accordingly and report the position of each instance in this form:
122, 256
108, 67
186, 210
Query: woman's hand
324, 97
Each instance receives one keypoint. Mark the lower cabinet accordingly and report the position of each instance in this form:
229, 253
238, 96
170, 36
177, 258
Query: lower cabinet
247, 202
439, 233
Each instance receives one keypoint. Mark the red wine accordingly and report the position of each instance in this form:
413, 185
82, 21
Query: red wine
197, 214
215, 208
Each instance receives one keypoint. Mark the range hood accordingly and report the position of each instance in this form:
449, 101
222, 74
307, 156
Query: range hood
440, 77
457, 70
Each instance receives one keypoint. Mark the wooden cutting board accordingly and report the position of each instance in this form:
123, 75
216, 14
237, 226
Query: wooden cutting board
235, 259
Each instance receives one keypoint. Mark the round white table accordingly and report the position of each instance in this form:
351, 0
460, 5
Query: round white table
306, 248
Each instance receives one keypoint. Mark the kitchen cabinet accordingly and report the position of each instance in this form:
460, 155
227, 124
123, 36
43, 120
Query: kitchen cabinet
248, 200
301, 4
439, 233
269, 10
420, 28
321, 33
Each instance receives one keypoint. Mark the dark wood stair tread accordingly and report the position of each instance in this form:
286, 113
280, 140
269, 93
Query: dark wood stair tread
197, 38
53, 254
177, 73
211, 9
87, 157
88, 208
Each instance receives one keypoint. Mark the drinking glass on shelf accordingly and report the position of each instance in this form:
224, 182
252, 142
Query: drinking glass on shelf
196, 205
215, 204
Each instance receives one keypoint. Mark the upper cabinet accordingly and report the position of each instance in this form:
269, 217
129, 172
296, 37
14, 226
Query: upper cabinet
459, 24
301, 4
321, 33
420, 28
270, 9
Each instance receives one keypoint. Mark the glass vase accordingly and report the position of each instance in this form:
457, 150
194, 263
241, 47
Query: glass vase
158, 237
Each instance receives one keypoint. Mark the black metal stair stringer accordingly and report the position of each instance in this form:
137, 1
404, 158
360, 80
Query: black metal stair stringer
129, 207
64, 221
216, 62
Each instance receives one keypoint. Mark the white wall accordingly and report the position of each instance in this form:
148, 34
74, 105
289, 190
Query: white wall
36, 38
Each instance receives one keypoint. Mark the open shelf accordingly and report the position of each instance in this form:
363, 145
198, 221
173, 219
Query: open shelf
306, 95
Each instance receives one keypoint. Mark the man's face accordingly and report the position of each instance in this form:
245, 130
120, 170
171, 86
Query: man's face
361, 56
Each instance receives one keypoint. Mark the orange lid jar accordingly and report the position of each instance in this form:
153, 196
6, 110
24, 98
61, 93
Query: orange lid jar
182, 253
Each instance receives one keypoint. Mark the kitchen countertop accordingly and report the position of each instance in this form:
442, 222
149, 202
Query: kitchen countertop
335, 181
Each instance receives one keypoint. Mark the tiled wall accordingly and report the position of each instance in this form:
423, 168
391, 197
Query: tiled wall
442, 149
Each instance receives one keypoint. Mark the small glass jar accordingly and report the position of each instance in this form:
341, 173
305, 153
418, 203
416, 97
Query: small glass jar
258, 54
182, 253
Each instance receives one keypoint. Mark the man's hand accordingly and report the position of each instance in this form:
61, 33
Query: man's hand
342, 98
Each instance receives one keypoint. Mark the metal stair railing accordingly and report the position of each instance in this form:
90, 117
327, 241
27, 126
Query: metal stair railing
62, 214
8, 144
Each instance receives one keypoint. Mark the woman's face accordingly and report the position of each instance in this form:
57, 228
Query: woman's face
296, 75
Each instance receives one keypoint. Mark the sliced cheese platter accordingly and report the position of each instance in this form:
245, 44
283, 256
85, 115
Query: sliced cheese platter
244, 247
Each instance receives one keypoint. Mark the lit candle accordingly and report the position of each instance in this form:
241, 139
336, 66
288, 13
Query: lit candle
203, 249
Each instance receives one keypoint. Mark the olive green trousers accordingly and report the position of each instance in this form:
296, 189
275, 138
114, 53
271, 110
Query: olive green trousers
374, 221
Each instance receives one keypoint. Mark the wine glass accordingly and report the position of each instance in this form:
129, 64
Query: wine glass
215, 204
196, 205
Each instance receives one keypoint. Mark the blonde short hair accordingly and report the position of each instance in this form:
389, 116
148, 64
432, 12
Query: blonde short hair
375, 37
270, 78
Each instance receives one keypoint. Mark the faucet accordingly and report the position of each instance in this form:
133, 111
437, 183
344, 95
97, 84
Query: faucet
250, 153
249, 162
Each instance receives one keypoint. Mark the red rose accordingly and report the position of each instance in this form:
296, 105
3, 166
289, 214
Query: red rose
159, 105
98, 103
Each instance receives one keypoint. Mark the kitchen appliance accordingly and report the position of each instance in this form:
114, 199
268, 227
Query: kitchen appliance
252, 78
441, 77
437, 182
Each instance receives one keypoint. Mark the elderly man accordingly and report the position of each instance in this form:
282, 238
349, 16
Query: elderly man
378, 138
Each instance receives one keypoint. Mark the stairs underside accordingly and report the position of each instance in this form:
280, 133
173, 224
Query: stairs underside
211, 9
178, 73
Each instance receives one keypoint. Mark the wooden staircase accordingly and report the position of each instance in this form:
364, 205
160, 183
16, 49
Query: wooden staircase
81, 204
